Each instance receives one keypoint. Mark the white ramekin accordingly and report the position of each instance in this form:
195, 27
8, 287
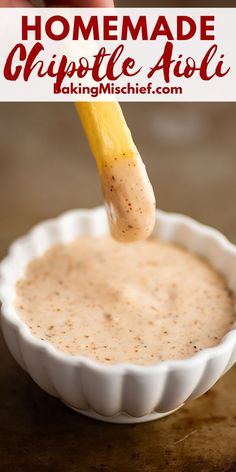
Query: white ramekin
121, 393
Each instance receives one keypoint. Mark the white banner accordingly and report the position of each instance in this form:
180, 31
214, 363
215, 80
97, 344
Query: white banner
125, 54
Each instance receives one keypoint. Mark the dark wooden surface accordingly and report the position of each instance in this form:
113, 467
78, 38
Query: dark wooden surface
46, 168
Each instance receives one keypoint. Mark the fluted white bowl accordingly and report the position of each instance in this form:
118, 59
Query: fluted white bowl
122, 393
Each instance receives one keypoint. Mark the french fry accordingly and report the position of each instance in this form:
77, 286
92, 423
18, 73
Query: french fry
128, 194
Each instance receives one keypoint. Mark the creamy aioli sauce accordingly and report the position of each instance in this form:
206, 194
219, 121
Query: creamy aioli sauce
129, 199
140, 303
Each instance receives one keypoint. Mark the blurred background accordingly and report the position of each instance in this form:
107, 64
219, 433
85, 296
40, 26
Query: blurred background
46, 166
189, 149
